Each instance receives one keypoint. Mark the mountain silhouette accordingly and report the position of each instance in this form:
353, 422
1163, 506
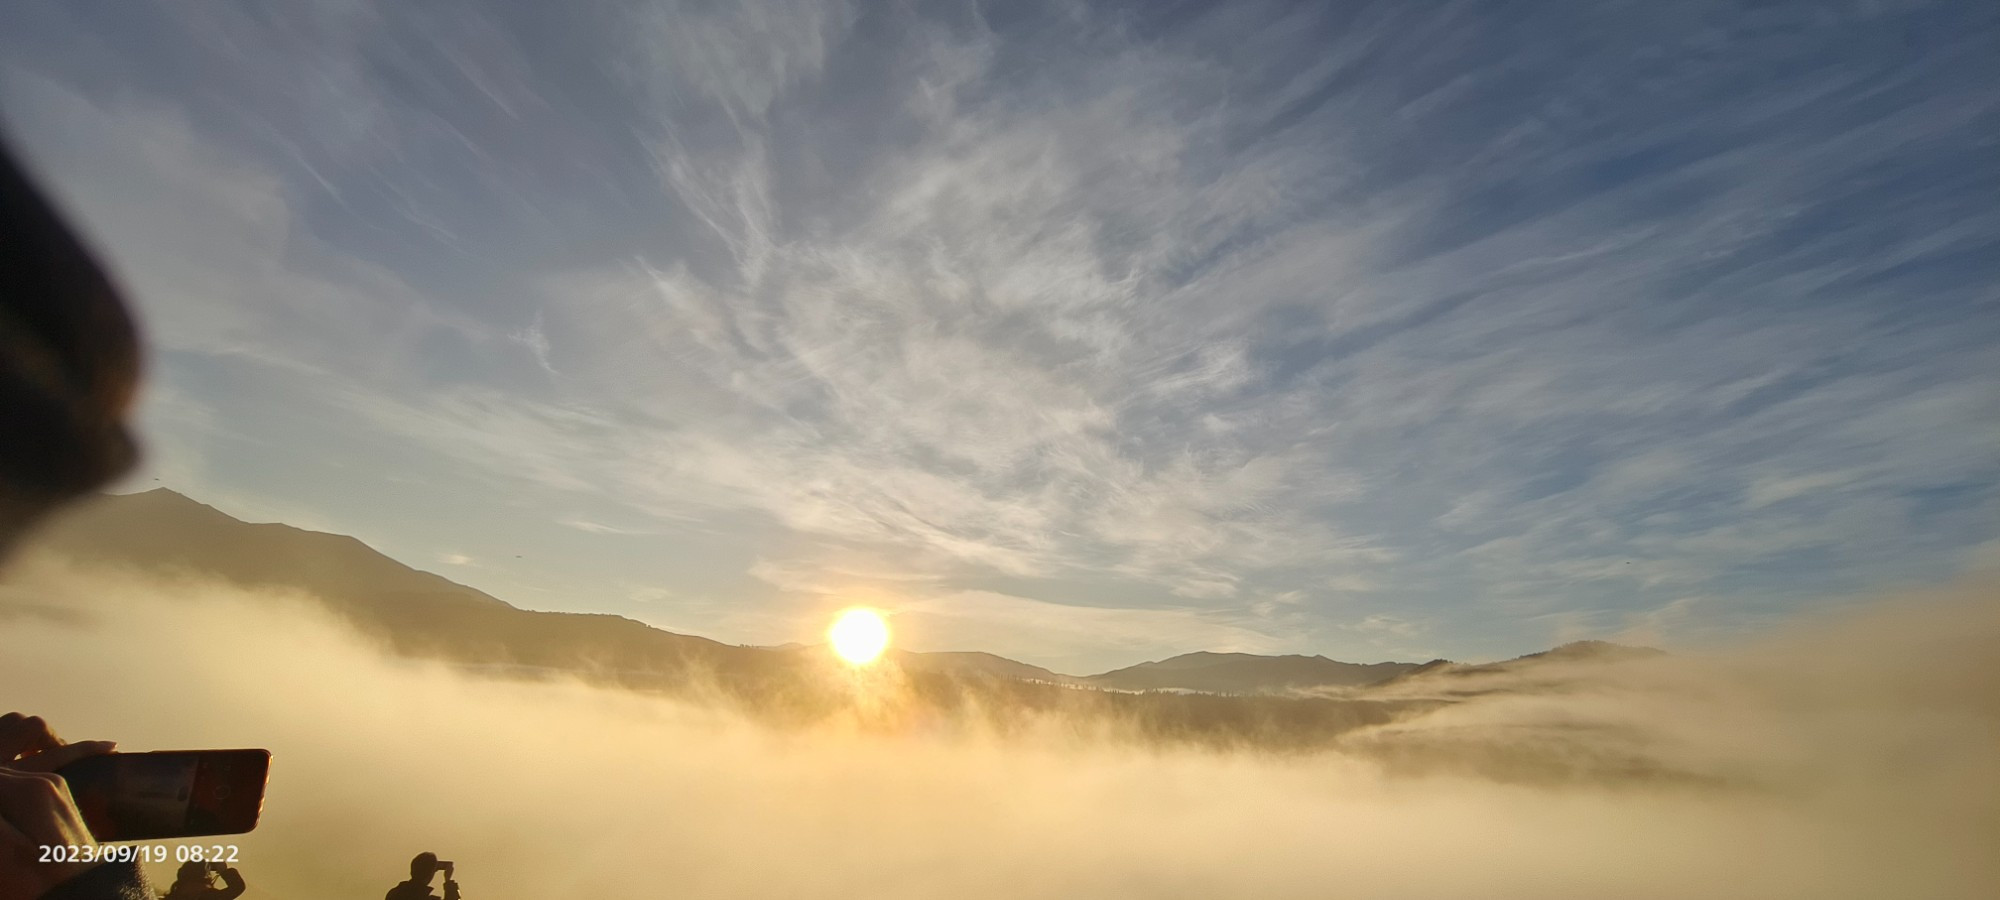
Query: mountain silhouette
1245, 673
420, 613
1440, 670
424, 614
973, 662
1222, 700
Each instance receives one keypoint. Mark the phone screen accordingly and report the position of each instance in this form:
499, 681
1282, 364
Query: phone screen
169, 793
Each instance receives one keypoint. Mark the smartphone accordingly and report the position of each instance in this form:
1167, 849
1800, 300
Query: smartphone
169, 793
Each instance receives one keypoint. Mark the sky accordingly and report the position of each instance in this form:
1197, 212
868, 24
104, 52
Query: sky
1083, 333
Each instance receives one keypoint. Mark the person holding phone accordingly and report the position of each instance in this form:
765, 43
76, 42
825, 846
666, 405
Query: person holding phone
423, 868
37, 811
196, 881
69, 365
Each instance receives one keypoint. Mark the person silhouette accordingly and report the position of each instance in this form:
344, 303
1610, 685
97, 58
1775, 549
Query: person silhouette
422, 869
196, 881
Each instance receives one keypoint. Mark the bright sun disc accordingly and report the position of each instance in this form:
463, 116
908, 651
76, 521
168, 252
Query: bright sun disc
859, 635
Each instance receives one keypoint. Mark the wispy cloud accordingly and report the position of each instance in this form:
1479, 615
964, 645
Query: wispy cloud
1330, 323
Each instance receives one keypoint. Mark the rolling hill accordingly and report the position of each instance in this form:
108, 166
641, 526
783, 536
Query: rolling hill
424, 614
1245, 673
1221, 700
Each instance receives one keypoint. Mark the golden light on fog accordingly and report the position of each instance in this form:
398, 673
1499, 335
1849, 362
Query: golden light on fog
859, 636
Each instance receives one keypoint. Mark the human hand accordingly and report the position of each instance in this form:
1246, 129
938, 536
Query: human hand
27, 745
36, 809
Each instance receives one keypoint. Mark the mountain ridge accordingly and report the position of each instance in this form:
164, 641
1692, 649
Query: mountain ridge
426, 614
1218, 672
422, 615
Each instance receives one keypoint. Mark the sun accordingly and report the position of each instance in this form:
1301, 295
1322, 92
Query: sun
859, 636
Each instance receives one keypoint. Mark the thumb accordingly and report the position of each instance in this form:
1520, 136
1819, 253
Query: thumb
56, 757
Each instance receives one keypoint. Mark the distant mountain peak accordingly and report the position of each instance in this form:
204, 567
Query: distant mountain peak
1246, 673
1586, 651
163, 497
423, 613
162, 528
1595, 649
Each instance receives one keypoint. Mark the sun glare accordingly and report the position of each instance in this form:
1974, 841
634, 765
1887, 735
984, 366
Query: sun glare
859, 636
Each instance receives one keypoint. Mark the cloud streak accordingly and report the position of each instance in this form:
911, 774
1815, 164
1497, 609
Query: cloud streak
1191, 312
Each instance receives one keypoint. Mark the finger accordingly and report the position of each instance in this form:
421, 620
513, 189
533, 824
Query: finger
24, 734
23, 871
12, 836
56, 757
39, 805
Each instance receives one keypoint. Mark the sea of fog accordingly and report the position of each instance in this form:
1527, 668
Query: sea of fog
1858, 758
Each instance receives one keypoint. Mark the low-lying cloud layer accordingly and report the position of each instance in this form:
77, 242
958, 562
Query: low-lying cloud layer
1852, 761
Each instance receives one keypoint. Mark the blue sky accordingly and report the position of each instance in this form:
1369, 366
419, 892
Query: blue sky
1081, 333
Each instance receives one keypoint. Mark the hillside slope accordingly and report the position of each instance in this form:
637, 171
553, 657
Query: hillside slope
1245, 673
1236, 700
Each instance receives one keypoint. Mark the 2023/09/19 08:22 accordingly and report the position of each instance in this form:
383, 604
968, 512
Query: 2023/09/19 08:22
141, 853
